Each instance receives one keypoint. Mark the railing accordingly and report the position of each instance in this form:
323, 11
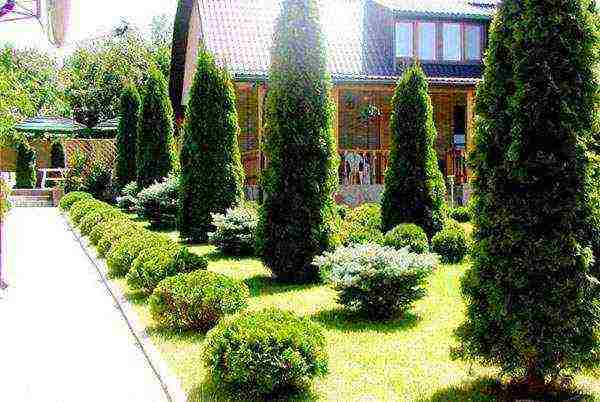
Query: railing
456, 162
363, 167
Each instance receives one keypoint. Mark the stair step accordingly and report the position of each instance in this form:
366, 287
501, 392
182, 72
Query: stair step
31, 201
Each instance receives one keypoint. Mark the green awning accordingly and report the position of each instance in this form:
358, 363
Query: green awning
51, 125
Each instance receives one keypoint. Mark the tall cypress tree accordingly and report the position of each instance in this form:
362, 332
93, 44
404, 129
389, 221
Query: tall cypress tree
26, 177
302, 173
212, 176
155, 132
414, 186
129, 114
532, 305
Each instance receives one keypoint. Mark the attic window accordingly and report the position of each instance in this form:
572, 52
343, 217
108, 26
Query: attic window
452, 42
427, 40
473, 42
404, 39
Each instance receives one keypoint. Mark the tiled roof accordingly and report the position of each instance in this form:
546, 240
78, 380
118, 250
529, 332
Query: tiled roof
239, 33
468, 9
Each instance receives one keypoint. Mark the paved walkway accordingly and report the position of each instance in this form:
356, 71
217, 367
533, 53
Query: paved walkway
61, 337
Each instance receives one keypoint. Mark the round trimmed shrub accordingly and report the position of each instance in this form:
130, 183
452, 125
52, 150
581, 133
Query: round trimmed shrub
265, 352
68, 200
363, 225
379, 282
235, 231
461, 214
197, 300
155, 264
408, 235
121, 230
82, 208
100, 229
128, 199
124, 251
451, 244
158, 202
89, 222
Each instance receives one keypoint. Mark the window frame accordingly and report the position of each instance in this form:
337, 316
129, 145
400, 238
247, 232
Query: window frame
461, 42
418, 40
412, 37
466, 44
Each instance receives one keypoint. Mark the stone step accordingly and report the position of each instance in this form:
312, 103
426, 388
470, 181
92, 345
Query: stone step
31, 201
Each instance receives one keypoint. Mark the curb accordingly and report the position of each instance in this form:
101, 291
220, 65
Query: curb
169, 383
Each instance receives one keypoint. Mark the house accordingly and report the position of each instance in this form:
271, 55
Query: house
369, 44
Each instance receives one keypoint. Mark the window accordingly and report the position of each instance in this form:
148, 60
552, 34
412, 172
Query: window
452, 42
473, 42
404, 39
427, 47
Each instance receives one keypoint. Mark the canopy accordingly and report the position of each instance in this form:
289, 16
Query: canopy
51, 125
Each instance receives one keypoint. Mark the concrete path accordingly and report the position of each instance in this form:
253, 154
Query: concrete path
61, 337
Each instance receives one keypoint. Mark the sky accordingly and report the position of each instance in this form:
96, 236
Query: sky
89, 19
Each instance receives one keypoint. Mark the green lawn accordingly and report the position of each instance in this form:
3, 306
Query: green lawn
403, 360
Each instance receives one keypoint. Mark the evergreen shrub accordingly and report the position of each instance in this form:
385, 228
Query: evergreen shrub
407, 235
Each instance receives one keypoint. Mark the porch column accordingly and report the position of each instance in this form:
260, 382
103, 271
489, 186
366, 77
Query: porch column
470, 118
336, 114
262, 91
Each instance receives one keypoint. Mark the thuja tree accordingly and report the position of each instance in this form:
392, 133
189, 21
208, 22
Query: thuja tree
414, 186
129, 113
57, 155
212, 176
531, 301
25, 169
302, 172
155, 132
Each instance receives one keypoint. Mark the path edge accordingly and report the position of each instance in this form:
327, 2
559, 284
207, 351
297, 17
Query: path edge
168, 381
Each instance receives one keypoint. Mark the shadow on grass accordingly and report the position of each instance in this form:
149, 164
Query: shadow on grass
208, 391
491, 389
170, 334
344, 320
137, 298
263, 285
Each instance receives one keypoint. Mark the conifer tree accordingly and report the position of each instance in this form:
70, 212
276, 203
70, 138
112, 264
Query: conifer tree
155, 132
302, 170
57, 155
26, 162
414, 186
129, 113
212, 176
532, 303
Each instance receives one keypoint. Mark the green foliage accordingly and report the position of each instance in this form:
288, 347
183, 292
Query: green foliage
57, 155
154, 159
414, 186
197, 300
126, 249
4, 202
407, 235
114, 233
90, 221
212, 179
26, 166
155, 264
298, 216
96, 73
128, 199
378, 281
451, 244
68, 200
461, 214
158, 203
102, 228
129, 114
84, 207
98, 182
235, 231
75, 177
362, 225
265, 352
532, 305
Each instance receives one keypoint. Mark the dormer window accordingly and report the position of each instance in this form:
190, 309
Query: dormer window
427, 40
452, 42
404, 39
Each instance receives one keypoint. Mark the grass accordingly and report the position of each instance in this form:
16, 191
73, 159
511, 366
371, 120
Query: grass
403, 360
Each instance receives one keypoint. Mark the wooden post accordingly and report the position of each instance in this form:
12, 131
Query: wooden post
470, 123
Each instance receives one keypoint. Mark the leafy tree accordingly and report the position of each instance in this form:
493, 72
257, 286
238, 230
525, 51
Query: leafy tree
414, 186
155, 132
301, 177
125, 169
212, 176
532, 305
25, 169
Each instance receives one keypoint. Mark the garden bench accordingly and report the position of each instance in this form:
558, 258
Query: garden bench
52, 174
